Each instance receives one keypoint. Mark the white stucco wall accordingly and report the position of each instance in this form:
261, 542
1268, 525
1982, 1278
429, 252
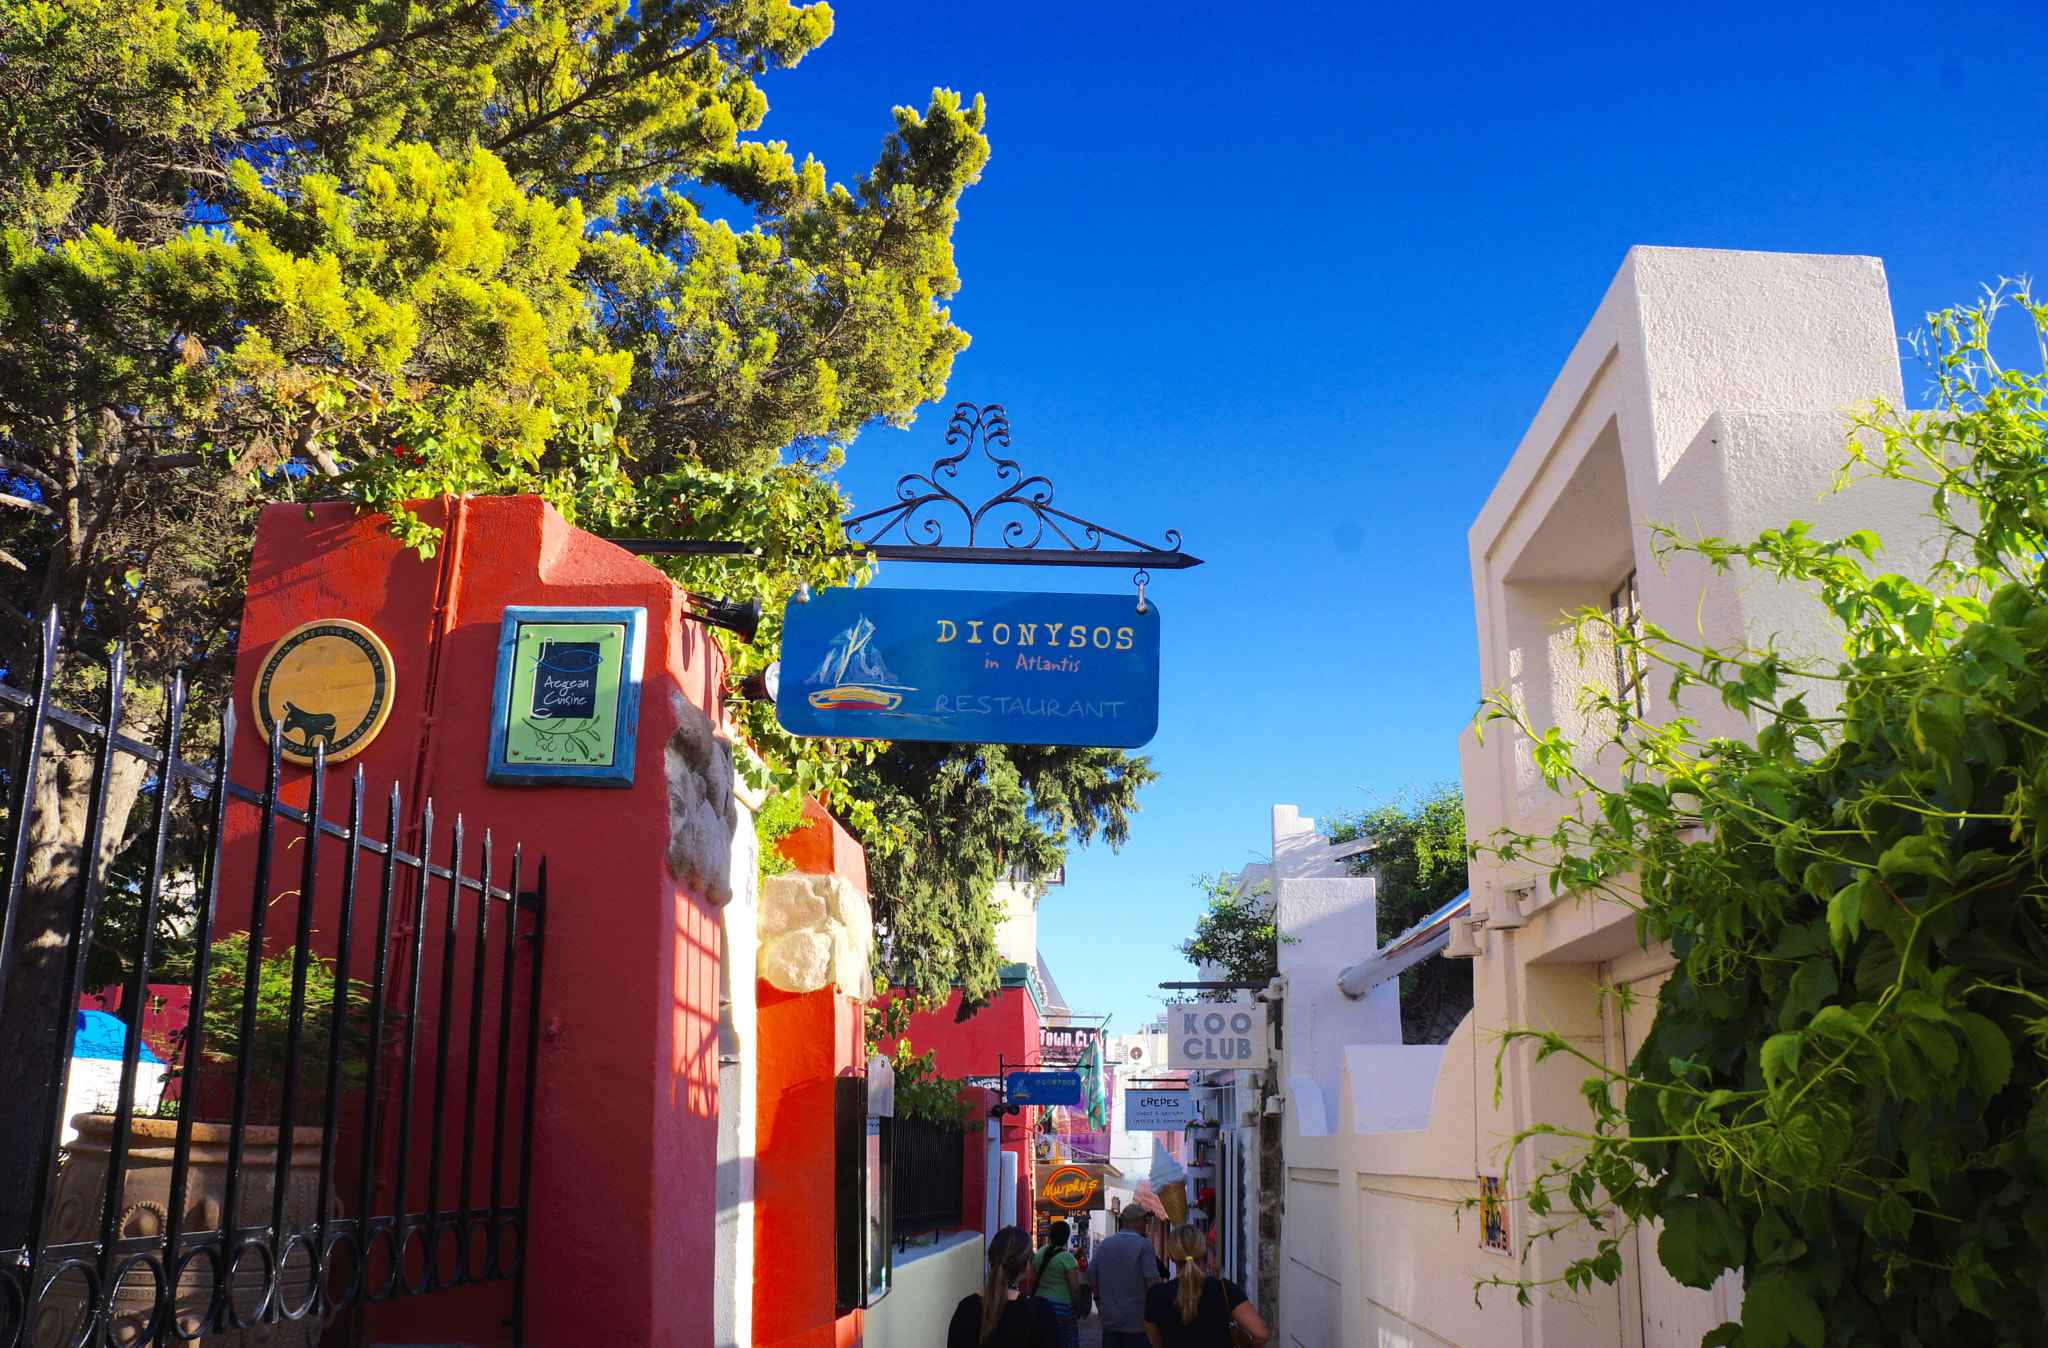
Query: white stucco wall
924, 1290
1706, 394
1327, 918
1017, 933
733, 1309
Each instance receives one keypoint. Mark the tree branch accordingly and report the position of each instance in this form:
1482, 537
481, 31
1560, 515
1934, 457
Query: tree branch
50, 485
424, 30
592, 90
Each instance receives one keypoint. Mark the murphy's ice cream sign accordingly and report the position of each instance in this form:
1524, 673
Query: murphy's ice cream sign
1069, 1188
1216, 1034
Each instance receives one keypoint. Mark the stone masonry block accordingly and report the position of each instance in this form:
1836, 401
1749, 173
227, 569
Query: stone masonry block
797, 961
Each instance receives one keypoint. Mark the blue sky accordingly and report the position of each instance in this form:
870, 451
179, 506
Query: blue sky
1293, 279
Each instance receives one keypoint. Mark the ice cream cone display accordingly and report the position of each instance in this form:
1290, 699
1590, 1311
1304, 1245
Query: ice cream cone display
1170, 1182
1175, 1197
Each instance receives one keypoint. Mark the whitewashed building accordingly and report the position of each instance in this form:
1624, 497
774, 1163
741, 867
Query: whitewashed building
1707, 394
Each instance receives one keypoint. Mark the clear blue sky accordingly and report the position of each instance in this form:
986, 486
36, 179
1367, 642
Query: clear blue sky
1294, 278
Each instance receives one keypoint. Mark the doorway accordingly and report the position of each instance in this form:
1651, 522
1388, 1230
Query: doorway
1667, 1313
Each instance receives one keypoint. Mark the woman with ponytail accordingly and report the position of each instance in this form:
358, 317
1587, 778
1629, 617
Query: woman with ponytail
1194, 1310
998, 1316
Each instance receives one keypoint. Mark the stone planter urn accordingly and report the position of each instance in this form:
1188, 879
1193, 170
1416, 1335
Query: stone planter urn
152, 1149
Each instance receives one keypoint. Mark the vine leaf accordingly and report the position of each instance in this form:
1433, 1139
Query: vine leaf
1776, 1310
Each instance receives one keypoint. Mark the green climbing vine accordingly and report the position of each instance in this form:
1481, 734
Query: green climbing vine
1844, 1091
922, 1091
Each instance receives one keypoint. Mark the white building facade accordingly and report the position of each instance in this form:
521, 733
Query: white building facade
1708, 395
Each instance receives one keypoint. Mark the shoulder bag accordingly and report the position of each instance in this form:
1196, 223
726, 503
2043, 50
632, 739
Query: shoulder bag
1081, 1302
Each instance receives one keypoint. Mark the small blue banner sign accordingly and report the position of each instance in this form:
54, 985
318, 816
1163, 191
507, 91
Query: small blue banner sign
1042, 1088
971, 666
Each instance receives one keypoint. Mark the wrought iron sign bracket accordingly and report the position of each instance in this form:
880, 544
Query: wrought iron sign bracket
1033, 531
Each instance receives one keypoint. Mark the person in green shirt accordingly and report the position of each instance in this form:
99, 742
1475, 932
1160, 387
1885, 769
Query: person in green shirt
1058, 1280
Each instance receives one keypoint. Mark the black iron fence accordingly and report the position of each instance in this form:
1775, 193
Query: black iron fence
928, 1181
354, 1089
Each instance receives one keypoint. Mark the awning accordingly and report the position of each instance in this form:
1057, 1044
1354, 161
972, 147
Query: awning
1407, 950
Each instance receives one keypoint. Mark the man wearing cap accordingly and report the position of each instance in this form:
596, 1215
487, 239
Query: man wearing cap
1121, 1270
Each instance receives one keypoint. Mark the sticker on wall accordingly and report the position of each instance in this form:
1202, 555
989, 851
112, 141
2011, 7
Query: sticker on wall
329, 681
1493, 1215
567, 703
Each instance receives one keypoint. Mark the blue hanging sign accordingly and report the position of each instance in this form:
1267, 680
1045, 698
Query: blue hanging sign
970, 666
1042, 1088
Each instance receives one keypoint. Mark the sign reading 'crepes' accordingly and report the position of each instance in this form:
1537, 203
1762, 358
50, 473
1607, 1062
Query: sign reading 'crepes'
1156, 1111
1216, 1034
1069, 1188
970, 666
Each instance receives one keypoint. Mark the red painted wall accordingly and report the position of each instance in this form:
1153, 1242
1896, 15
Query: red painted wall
806, 1040
1005, 1033
625, 1154
822, 847
976, 1179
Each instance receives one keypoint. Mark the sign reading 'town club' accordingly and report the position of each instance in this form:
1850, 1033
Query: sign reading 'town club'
1203, 1035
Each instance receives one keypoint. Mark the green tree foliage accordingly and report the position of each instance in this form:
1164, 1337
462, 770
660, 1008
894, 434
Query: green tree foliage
922, 1091
1844, 1092
258, 251
966, 816
222, 1045
1236, 932
1419, 856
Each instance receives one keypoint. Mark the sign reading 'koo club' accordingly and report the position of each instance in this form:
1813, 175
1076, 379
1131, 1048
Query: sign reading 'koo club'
971, 666
1216, 1034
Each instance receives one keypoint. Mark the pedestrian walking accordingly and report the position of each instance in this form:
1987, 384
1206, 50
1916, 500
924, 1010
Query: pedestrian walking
999, 1316
1122, 1270
1059, 1282
1196, 1310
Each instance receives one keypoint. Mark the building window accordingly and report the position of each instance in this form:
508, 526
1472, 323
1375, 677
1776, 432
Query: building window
1023, 875
1625, 611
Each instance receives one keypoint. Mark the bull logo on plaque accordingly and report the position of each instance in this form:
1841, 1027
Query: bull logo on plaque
327, 682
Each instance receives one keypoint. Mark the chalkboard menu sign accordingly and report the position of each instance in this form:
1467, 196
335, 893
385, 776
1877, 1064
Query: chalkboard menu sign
568, 697
565, 677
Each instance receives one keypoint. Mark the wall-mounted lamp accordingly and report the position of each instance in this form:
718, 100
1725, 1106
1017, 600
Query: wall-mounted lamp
763, 685
1507, 914
1463, 944
738, 616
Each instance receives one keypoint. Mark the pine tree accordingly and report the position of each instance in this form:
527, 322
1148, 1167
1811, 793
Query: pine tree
962, 817
281, 250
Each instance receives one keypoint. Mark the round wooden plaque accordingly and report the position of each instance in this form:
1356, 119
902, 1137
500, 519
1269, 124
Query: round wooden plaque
330, 679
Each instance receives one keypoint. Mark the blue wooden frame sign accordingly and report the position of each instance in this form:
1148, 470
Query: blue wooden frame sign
566, 707
971, 667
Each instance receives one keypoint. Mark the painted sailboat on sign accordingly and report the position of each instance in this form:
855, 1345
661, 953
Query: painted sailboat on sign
854, 675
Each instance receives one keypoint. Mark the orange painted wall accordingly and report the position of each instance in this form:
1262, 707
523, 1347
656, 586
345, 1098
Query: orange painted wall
625, 1155
805, 1041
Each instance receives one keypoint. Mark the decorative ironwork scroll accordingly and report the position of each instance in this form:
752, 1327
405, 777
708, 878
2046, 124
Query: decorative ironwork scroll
1019, 525
1021, 513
